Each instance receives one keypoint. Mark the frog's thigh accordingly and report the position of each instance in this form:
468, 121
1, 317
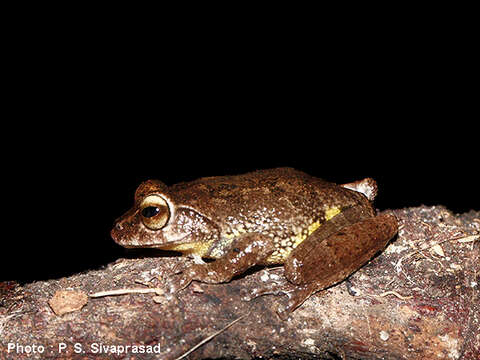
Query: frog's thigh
247, 251
329, 256
326, 260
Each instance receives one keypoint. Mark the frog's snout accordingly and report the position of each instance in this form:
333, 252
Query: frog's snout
118, 232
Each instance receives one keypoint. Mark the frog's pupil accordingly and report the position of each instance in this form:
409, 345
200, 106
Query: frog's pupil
150, 211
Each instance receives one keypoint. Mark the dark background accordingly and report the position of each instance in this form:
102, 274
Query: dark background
86, 127
71, 194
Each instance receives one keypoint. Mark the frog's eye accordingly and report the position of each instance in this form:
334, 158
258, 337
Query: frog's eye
154, 212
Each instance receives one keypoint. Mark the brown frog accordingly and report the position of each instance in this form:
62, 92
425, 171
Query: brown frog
321, 232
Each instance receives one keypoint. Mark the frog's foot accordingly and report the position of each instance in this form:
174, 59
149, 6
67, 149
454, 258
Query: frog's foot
178, 268
178, 279
296, 298
278, 289
200, 272
183, 278
177, 283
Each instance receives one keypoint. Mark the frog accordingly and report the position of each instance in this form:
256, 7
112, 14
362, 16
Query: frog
320, 232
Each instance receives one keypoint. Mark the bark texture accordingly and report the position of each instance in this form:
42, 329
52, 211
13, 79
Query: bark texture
419, 299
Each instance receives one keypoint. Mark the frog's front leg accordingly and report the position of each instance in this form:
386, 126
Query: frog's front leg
246, 251
335, 250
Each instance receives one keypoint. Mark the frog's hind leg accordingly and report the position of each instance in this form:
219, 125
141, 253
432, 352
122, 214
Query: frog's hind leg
335, 250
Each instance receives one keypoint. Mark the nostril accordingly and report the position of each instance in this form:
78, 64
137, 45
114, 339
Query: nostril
119, 226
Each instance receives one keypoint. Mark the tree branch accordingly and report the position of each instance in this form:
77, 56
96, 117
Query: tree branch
417, 300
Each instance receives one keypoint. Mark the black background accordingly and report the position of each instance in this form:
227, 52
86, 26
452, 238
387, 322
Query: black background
71, 194
86, 129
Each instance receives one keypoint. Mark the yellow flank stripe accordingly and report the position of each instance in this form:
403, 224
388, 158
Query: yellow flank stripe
331, 212
312, 227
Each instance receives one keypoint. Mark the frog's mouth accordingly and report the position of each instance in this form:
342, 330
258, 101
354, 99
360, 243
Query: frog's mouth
147, 241
164, 246
183, 245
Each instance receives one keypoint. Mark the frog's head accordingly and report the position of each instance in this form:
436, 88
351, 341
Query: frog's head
156, 221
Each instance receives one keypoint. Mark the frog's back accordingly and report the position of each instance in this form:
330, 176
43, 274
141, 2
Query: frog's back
234, 187
284, 190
